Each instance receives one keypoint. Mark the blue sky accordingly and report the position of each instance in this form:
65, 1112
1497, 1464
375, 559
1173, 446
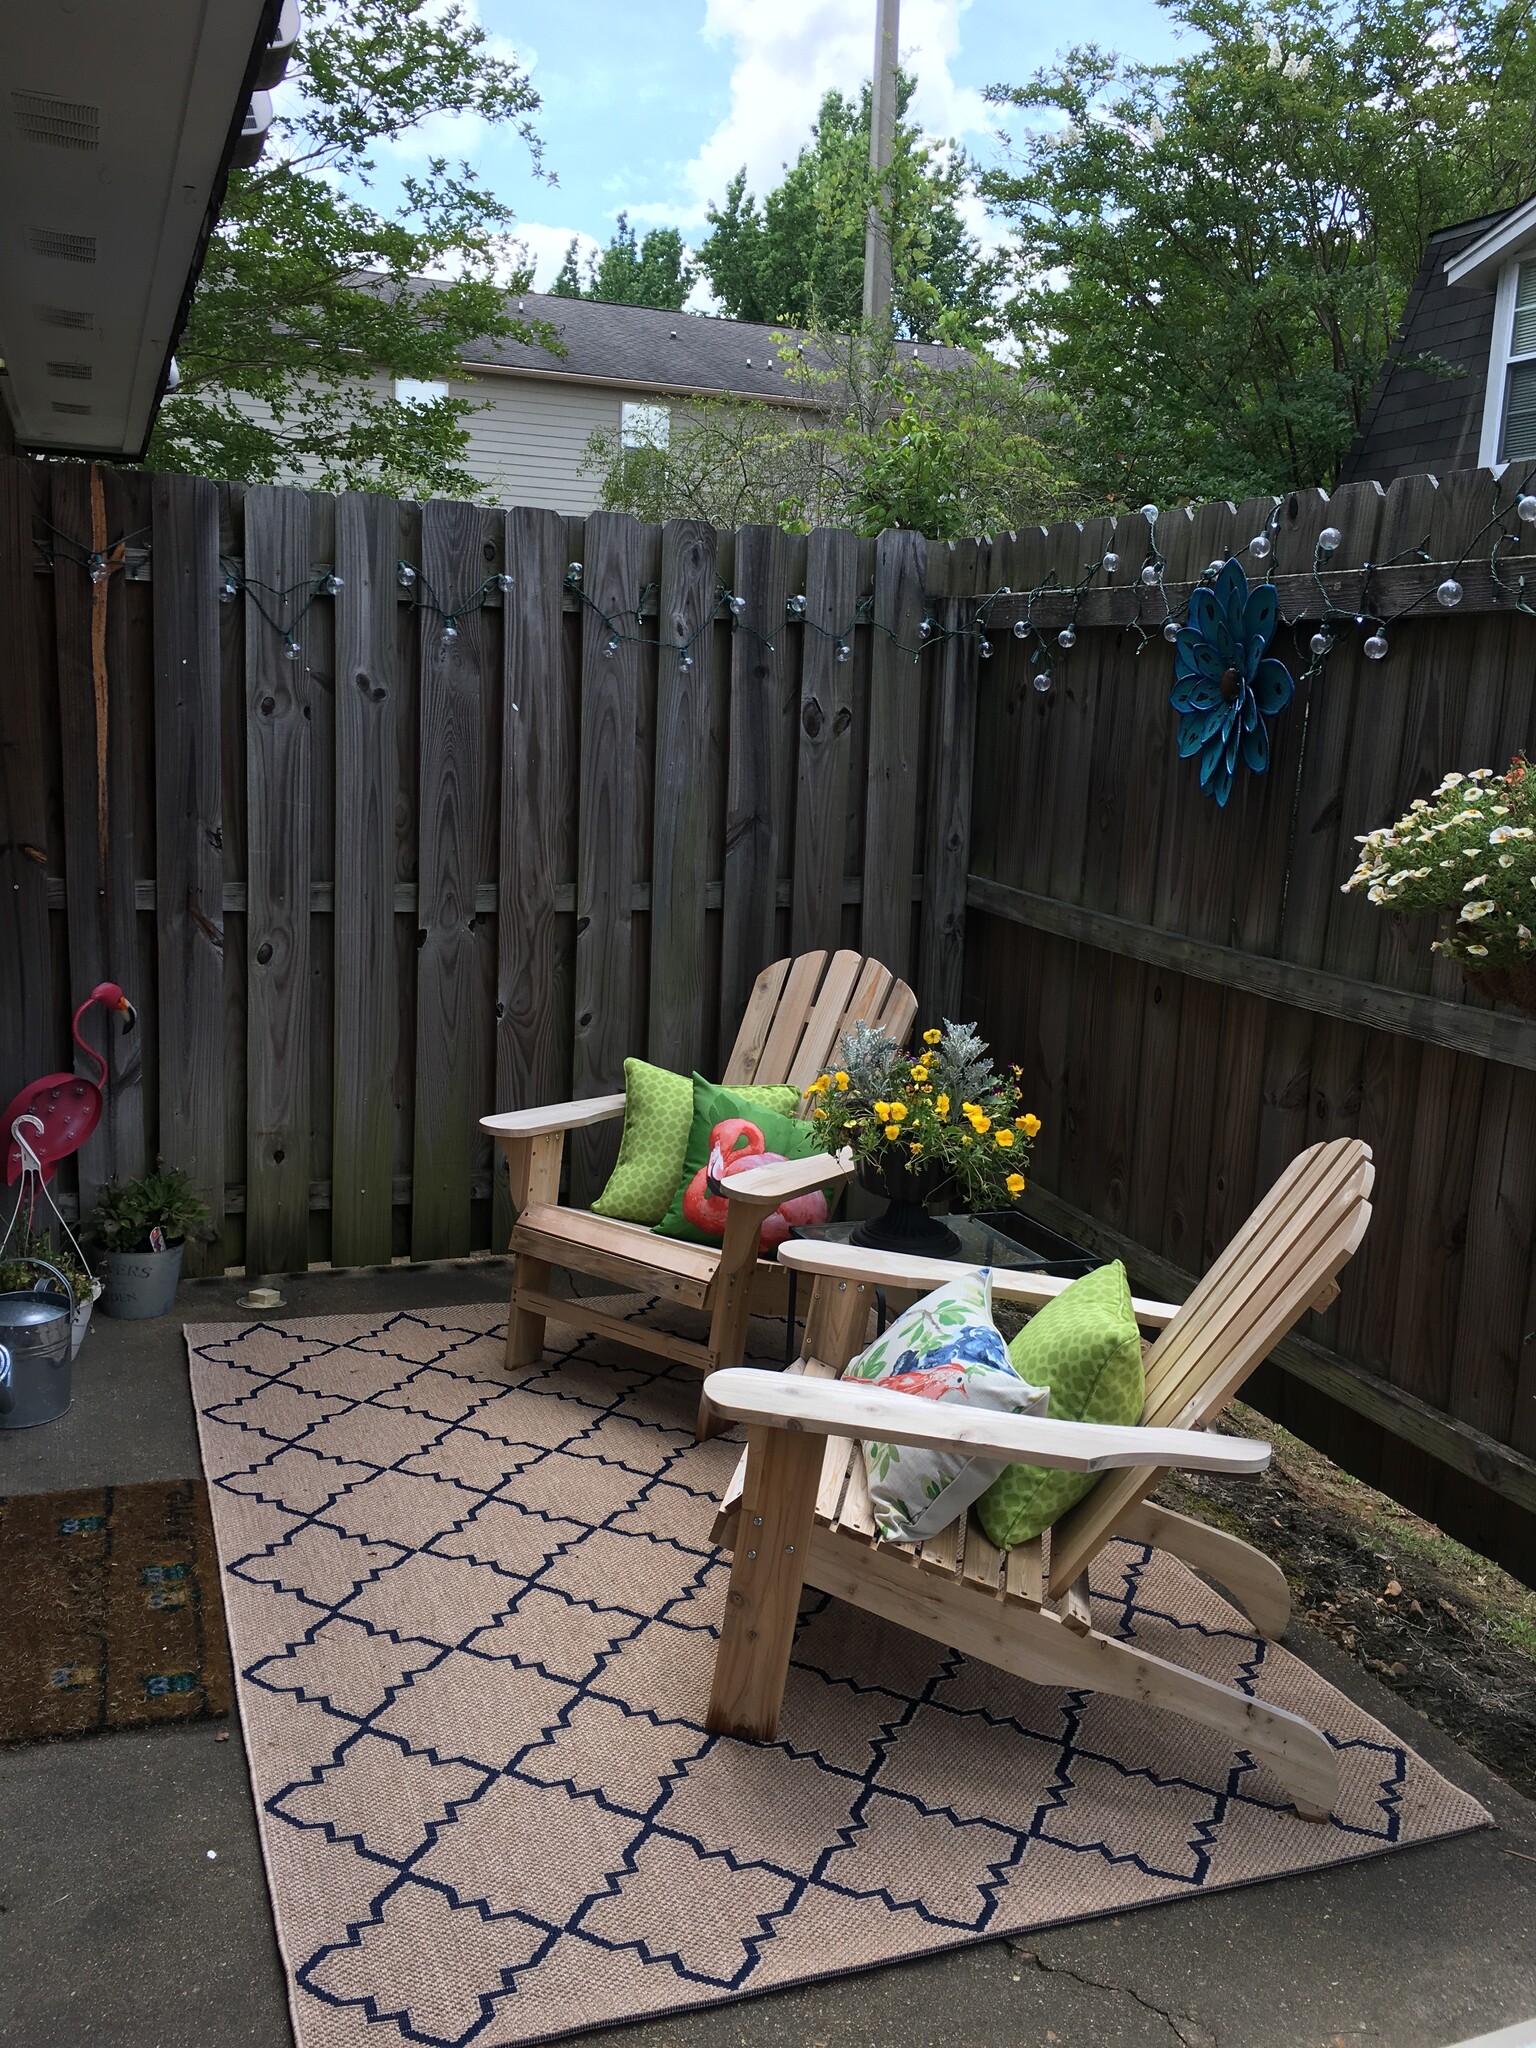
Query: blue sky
652, 107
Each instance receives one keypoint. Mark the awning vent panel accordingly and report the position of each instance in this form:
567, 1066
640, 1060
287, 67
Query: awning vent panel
63, 124
65, 316
64, 405
80, 372
65, 247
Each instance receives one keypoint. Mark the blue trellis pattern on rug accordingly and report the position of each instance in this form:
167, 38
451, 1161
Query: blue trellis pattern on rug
474, 1616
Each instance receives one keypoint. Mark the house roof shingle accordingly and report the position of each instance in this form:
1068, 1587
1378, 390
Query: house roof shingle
658, 350
1416, 421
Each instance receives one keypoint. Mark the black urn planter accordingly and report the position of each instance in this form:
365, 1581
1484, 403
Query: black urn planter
906, 1225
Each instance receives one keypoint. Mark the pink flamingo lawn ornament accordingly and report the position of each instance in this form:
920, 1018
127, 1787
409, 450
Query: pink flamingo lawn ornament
61, 1110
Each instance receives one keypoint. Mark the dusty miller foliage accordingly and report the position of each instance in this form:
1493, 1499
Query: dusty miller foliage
871, 1059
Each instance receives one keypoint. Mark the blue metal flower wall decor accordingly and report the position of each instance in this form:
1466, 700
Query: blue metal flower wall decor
1225, 685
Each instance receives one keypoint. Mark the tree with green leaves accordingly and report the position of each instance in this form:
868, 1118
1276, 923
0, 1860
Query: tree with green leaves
797, 258
1214, 253
884, 440
306, 284
656, 272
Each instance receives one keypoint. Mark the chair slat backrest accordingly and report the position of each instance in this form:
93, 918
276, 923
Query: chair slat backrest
799, 1009
1276, 1266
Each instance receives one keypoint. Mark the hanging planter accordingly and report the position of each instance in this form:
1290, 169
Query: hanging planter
1468, 854
1225, 684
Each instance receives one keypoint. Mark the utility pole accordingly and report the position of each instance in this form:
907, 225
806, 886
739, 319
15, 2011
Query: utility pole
882, 147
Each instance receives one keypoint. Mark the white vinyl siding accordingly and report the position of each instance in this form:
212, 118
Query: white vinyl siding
526, 445
1518, 438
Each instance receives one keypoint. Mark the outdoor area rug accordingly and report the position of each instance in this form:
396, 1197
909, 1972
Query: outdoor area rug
474, 1620
109, 1610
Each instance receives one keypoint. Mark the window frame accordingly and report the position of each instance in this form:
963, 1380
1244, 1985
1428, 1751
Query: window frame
1501, 360
437, 387
653, 407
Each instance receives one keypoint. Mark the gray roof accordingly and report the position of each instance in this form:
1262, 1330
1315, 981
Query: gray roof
1415, 422
659, 350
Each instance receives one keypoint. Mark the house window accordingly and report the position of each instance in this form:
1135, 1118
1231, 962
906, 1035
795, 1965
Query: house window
419, 390
1519, 436
650, 426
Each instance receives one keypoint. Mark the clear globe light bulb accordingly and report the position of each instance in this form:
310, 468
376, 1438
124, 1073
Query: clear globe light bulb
1067, 637
984, 650
1321, 641
1525, 509
1111, 562
1020, 630
1329, 541
1149, 573
1375, 648
1170, 630
1450, 593
1041, 680
1259, 547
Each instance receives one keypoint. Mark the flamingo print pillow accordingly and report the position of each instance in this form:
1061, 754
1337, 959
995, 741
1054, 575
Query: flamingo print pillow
945, 1347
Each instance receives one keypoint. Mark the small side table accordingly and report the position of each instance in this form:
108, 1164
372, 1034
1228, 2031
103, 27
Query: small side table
1001, 1238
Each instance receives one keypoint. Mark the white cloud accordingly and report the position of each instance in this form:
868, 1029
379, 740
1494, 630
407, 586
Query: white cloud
788, 56
546, 245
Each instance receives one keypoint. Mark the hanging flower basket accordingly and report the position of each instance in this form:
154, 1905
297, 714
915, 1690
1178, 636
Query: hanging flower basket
1468, 853
1512, 984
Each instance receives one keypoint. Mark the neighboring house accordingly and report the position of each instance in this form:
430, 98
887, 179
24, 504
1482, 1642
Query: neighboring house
1472, 310
115, 143
624, 370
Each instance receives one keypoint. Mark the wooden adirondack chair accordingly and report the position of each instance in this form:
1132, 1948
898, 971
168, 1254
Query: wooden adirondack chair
796, 1014
797, 1512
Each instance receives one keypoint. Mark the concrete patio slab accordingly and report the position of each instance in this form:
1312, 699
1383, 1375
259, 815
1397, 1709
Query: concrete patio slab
118, 1929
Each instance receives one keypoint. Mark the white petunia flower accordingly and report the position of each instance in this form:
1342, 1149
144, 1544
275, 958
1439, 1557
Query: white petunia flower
1473, 912
1478, 952
1476, 882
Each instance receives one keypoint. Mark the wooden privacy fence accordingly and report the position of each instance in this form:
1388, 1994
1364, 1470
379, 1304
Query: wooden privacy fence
1194, 1000
363, 895
366, 894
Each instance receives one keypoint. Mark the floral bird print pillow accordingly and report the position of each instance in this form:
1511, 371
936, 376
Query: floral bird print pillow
946, 1347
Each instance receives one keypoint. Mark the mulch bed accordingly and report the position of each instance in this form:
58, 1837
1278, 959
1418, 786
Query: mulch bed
1429, 1634
110, 1610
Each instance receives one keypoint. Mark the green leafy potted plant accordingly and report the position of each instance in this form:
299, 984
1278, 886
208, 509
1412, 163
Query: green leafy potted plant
142, 1226
17, 1274
919, 1125
1468, 853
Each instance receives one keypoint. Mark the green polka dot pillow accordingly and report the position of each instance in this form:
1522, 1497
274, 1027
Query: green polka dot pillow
658, 1115
1086, 1349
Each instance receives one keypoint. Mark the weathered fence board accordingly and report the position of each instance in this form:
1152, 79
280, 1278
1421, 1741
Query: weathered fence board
447, 970
826, 713
760, 747
279, 794
189, 841
679, 868
605, 874
366, 1024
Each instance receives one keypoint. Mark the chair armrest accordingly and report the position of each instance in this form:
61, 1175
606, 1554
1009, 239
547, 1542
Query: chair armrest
852, 1408
559, 1116
901, 1270
767, 1186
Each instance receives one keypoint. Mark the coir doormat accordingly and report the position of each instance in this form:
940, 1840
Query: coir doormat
110, 1615
474, 1620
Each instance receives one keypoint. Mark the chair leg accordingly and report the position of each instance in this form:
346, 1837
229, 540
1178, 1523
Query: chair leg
1035, 1645
773, 1540
1255, 1581
533, 1175
525, 1330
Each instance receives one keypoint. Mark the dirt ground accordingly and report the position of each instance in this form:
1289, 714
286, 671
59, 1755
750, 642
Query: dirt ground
1451, 1632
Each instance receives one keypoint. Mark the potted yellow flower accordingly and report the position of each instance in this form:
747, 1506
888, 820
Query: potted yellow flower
922, 1124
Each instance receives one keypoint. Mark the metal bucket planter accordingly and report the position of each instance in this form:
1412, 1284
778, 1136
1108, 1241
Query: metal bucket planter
137, 1284
35, 1351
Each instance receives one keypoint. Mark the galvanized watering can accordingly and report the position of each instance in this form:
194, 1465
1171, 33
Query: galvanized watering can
35, 1329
